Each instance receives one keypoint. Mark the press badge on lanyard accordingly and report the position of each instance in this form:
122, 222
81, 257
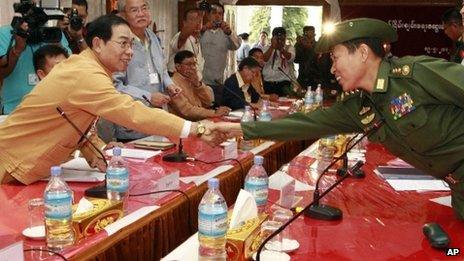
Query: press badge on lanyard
32, 79
154, 78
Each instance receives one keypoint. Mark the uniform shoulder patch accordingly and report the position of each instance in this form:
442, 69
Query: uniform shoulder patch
350, 94
402, 67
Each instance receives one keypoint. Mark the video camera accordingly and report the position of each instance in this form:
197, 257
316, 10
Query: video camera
75, 21
37, 17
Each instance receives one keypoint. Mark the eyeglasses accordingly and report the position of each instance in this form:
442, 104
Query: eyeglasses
136, 10
124, 44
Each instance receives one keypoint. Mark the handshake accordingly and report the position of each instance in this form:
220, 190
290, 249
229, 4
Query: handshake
217, 133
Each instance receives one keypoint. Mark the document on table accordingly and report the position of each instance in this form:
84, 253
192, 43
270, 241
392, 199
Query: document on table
198, 180
78, 170
136, 153
278, 179
445, 201
416, 184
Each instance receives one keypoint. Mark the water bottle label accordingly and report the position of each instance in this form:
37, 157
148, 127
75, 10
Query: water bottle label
117, 180
58, 206
259, 190
212, 225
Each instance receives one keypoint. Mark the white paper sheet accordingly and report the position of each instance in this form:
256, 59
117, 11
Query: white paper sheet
236, 114
278, 179
135, 153
129, 219
262, 147
445, 201
78, 170
198, 180
408, 184
186, 251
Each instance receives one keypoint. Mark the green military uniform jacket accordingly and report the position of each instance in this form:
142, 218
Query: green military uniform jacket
421, 100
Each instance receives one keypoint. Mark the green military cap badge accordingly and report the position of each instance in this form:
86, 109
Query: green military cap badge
364, 110
354, 29
405, 70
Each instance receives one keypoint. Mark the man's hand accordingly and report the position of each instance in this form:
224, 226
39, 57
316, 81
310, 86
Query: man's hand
226, 28
222, 111
192, 76
229, 129
20, 42
212, 136
174, 90
158, 99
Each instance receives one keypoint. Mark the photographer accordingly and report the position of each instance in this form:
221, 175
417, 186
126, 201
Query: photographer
276, 56
73, 25
306, 57
17, 45
216, 40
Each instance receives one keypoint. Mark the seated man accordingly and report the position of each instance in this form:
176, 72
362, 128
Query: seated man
195, 98
257, 82
44, 59
237, 91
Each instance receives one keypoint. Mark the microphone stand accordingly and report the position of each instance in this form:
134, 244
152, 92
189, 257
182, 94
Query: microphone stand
179, 156
342, 170
358, 165
98, 191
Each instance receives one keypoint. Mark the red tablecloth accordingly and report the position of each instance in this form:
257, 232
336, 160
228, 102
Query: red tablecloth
378, 223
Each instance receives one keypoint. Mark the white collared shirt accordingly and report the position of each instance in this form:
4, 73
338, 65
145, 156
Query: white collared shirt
244, 87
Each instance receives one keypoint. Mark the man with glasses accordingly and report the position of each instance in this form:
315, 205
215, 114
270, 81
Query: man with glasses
146, 78
196, 99
239, 85
50, 122
454, 29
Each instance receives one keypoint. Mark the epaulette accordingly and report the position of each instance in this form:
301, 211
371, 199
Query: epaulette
402, 68
351, 94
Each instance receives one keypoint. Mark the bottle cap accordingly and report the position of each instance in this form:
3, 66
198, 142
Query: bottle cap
213, 183
55, 171
116, 151
259, 160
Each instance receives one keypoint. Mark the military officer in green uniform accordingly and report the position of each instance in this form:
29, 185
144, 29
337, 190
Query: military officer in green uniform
419, 101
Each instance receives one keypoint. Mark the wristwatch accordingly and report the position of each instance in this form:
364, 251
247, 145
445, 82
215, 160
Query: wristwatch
201, 129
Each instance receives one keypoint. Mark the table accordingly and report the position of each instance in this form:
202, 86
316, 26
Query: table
157, 233
378, 222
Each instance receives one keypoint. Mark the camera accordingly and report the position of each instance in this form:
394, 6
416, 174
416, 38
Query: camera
36, 18
204, 6
75, 21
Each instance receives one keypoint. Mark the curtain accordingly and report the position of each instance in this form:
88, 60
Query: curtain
335, 15
164, 14
6, 11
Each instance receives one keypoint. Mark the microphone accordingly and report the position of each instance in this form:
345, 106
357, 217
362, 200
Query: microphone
358, 165
98, 191
342, 171
326, 212
244, 101
180, 155
291, 79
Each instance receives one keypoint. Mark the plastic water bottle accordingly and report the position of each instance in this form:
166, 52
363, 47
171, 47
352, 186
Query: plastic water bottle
58, 212
247, 117
212, 223
257, 183
265, 115
308, 101
117, 177
319, 96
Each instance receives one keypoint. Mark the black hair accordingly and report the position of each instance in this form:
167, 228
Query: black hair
452, 15
182, 55
375, 44
255, 50
81, 3
102, 27
308, 28
39, 57
278, 31
188, 11
244, 36
249, 62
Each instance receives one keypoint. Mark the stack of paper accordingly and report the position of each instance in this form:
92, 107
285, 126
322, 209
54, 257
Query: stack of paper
136, 153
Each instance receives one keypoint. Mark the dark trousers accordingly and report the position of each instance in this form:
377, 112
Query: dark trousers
218, 91
279, 88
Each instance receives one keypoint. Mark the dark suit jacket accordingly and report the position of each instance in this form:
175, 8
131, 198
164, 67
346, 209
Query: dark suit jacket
232, 101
